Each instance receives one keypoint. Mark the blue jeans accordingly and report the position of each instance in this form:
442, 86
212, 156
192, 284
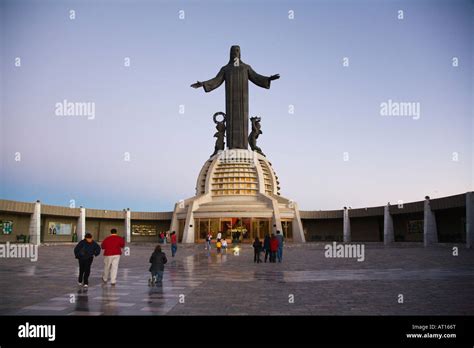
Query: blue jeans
158, 276
280, 254
174, 247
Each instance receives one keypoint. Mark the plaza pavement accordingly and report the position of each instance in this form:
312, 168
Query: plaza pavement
431, 280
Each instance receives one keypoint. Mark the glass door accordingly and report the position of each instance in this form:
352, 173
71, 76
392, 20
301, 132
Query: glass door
245, 228
226, 228
203, 228
260, 227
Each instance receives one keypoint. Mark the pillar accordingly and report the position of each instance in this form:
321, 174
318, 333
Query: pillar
128, 225
81, 224
430, 233
388, 233
298, 232
346, 226
189, 228
470, 219
276, 218
35, 225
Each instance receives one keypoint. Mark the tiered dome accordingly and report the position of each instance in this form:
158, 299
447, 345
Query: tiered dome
237, 173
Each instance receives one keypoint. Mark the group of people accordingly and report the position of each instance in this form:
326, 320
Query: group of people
221, 243
164, 237
272, 246
167, 237
87, 249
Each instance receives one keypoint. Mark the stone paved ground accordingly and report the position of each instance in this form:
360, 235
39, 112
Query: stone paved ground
431, 280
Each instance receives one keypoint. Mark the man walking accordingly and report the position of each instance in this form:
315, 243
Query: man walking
257, 248
273, 248
85, 251
280, 239
174, 244
266, 247
112, 246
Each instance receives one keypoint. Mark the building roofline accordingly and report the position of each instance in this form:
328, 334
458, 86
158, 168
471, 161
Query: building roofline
453, 201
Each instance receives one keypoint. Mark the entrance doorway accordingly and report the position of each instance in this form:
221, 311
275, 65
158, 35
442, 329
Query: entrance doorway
260, 227
237, 229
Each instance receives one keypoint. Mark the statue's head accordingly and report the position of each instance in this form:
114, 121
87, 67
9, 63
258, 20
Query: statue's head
255, 119
234, 52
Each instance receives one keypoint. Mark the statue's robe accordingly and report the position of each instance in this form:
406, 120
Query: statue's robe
237, 99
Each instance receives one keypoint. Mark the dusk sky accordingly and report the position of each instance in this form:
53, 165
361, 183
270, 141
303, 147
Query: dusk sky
335, 150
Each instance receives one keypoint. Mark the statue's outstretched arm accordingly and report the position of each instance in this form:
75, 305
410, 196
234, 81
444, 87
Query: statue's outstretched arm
261, 80
211, 84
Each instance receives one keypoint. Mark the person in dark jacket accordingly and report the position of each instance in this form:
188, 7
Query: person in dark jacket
157, 268
266, 246
257, 249
85, 251
273, 248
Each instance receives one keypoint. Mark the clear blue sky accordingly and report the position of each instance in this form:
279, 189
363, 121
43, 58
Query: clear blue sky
337, 109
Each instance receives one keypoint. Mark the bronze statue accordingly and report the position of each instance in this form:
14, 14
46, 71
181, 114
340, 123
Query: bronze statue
256, 131
220, 134
236, 75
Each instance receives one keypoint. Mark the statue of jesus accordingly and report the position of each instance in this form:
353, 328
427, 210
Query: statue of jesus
236, 75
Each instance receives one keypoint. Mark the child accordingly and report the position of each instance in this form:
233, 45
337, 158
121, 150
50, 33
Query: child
208, 241
218, 246
224, 245
157, 260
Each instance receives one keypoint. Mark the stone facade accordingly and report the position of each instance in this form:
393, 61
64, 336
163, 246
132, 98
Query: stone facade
451, 217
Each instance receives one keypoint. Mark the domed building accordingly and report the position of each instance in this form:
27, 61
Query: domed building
237, 194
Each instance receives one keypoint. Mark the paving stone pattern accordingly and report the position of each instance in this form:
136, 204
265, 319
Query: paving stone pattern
196, 282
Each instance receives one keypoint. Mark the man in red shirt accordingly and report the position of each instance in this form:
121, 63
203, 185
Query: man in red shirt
174, 244
273, 248
112, 246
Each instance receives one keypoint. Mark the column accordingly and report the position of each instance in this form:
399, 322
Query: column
128, 225
35, 224
388, 234
81, 224
189, 228
470, 219
298, 232
276, 218
346, 226
430, 233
